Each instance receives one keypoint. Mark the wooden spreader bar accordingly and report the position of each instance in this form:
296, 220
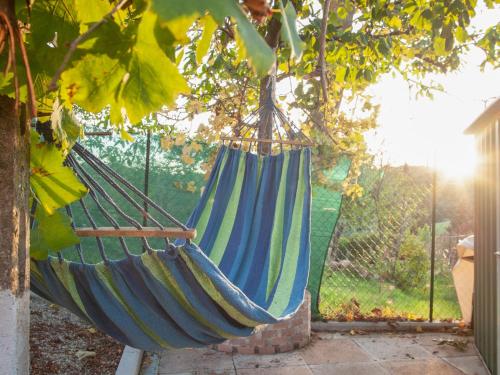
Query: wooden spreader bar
134, 232
263, 140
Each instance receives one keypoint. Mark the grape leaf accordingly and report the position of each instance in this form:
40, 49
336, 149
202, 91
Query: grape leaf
54, 184
209, 27
289, 29
461, 34
43, 239
90, 11
56, 27
91, 81
154, 80
64, 125
440, 46
134, 81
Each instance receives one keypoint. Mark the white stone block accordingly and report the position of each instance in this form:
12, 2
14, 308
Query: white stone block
14, 333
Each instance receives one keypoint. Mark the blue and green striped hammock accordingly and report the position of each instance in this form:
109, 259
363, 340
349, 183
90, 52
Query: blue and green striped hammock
250, 266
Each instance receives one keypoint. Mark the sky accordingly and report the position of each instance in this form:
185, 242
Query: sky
427, 131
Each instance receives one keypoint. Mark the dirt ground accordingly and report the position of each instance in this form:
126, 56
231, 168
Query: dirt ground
61, 343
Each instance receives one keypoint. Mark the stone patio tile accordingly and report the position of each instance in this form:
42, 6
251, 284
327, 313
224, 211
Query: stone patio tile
289, 370
372, 368
392, 348
471, 365
197, 361
431, 343
334, 351
291, 359
432, 366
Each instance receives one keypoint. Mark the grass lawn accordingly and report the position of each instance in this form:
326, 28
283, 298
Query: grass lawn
338, 290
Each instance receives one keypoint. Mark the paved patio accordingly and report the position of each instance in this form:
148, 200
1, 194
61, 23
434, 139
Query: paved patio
332, 353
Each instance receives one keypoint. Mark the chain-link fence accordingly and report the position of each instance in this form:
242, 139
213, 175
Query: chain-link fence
380, 263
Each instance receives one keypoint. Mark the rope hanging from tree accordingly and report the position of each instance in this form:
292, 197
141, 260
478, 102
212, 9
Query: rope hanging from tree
268, 125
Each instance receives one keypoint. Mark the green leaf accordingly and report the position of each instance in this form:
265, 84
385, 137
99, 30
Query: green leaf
440, 45
90, 11
340, 74
342, 13
258, 53
65, 126
209, 27
289, 29
383, 47
54, 184
179, 56
134, 84
52, 233
126, 136
56, 27
93, 82
395, 22
153, 80
179, 27
368, 74
421, 21
461, 34
7, 84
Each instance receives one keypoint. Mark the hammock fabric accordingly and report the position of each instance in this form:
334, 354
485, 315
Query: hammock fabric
250, 266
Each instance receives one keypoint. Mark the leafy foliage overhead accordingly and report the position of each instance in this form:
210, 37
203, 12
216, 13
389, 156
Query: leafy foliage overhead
121, 55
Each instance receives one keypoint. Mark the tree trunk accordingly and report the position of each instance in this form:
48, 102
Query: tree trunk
14, 237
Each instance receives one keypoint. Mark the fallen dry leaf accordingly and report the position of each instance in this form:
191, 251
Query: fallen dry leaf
458, 344
259, 9
82, 354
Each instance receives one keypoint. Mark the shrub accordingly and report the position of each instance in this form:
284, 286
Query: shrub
412, 263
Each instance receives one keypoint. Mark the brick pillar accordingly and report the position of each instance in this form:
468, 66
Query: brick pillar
291, 334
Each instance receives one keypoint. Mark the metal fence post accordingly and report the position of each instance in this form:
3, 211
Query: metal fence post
433, 245
146, 174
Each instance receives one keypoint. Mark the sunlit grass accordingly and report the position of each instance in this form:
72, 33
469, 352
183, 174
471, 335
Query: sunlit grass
338, 290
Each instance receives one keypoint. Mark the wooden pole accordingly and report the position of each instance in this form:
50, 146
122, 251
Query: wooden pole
149, 232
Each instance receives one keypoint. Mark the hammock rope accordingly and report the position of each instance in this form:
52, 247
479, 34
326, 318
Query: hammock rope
99, 197
269, 116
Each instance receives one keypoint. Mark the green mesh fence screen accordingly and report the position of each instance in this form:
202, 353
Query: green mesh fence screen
325, 212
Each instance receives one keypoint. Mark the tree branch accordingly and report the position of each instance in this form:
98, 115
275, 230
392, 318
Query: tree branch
322, 48
29, 79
